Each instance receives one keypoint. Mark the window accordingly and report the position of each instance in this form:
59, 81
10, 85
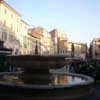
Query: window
25, 27
25, 46
11, 38
4, 36
17, 28
11, 26
20, 25
5, 23
11, 15
98, 46
5, 11
99, 40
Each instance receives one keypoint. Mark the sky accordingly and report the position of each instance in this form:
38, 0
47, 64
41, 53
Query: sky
80, 19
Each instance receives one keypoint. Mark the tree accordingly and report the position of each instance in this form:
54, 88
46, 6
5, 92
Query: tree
36, 49
72, 50
58, 41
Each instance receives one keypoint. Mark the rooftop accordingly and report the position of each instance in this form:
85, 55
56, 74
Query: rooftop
7, 5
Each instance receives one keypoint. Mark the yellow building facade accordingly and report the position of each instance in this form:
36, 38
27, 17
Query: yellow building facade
95, 48
34, 38
47, 43
43, 38
59, 39
79, 49
12, 21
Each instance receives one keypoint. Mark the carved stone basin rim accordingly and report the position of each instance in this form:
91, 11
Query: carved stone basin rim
88, 81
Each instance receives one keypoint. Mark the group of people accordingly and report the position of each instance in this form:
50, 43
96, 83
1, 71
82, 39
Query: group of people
83, 67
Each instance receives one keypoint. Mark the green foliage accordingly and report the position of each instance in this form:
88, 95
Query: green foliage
94, 62
92, 68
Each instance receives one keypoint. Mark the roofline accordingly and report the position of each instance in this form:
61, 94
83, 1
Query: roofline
7, 5
78, 43
24, 22
95, 40
33, 36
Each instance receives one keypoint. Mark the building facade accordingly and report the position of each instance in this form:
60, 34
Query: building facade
34, 41
42, 39
95, 48
17, 35
59, 41
12, 26
75, 49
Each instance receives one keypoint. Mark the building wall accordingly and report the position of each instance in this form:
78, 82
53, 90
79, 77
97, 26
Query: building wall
63, 47
31, 45
69, 49
23, 36
80, 49
47, 43
59, 37
95, 48
9, 17
13, 23
43, 38
34, 38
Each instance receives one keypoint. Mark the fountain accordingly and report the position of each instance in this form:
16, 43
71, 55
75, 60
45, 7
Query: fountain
3, 53
36, 82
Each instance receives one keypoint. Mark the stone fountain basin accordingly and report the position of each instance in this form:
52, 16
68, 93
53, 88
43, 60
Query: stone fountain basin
38, 67
23, 91
35, 62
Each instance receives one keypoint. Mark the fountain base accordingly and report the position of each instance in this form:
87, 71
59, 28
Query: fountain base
59, 88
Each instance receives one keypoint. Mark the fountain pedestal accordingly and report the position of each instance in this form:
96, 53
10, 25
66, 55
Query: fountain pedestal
36, 67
